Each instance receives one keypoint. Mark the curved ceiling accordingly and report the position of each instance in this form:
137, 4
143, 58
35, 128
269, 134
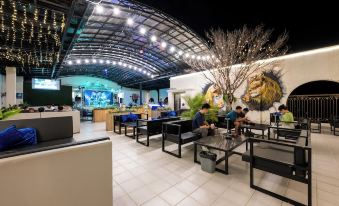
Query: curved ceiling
121, 40
130, 43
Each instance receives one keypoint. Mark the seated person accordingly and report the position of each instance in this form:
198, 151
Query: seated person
286, 117
199, 125
243, 115
237, 118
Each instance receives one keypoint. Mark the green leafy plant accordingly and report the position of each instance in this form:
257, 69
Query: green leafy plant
10, 111
195, 103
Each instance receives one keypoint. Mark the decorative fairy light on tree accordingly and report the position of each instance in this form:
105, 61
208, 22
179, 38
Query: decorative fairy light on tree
236, 55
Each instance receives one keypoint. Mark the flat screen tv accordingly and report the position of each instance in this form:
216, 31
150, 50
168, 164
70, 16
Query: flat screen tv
47, 84
97, 98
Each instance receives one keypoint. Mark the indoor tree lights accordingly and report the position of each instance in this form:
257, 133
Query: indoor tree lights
24, 27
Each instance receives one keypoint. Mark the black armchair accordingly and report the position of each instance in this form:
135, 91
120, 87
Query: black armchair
150, 128
178, 132
289, 160
121, 119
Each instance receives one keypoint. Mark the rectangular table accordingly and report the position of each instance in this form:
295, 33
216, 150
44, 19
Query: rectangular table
255, 126
221, 143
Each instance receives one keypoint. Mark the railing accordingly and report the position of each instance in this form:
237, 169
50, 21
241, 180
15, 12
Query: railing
318, 107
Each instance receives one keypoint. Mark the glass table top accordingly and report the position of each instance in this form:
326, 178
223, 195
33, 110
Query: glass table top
222, 141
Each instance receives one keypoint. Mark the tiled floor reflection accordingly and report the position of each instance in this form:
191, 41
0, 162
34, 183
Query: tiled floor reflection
147, 176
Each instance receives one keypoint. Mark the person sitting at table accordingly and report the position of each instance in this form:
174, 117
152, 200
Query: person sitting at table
236, 118
199, 125
286, 117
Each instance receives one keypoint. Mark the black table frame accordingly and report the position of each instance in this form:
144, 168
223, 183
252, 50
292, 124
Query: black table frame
252, 127
228, 153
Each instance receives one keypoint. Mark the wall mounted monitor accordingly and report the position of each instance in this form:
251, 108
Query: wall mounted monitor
46, 84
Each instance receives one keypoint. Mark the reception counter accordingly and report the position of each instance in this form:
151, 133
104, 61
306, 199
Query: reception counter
75, 116
99, 115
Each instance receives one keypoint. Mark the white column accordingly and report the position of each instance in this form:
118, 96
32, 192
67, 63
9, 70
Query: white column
147, 96
10, 86
170, 99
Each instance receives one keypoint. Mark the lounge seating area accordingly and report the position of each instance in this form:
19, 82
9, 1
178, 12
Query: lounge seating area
58, 167
168, 103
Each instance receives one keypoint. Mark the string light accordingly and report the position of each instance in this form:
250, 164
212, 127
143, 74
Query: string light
18, 31
101, 61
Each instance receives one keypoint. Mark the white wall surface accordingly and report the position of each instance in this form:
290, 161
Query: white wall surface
297, 69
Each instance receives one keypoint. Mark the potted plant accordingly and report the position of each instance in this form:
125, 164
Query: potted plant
195, 103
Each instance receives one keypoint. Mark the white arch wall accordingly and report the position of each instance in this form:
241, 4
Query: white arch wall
297, 69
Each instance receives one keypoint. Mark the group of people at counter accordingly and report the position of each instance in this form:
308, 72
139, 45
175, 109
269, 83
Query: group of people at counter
236, 118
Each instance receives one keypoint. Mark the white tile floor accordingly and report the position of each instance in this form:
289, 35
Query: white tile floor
147, 176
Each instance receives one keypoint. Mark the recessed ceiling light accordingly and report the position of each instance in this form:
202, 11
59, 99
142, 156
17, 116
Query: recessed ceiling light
130, 21
193, 56
124, 65
78, 61
144, 71
153, 38
94, 60
70, 62
120, 63
180, 53
187, 55
163, 44
172, 49
152, 76
135, 68
99, 9
101, 61
140, 69
114, 63
86, 61
108, 61
142, 30
116, 11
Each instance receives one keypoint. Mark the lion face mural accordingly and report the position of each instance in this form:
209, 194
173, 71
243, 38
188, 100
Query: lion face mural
263, 90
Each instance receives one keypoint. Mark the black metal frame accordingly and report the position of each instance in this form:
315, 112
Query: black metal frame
335, 126
176, 138
223, 158
106, 36
308, 169
118, 122
318, 128
153, 127
133, 128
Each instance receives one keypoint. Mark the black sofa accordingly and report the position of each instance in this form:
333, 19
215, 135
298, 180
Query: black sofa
179, 132
289, 159
52, 133
150, 128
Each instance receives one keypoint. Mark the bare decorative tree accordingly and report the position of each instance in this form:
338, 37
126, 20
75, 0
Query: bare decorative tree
234, 56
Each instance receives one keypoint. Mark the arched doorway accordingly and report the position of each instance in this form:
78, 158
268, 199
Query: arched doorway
318, 100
